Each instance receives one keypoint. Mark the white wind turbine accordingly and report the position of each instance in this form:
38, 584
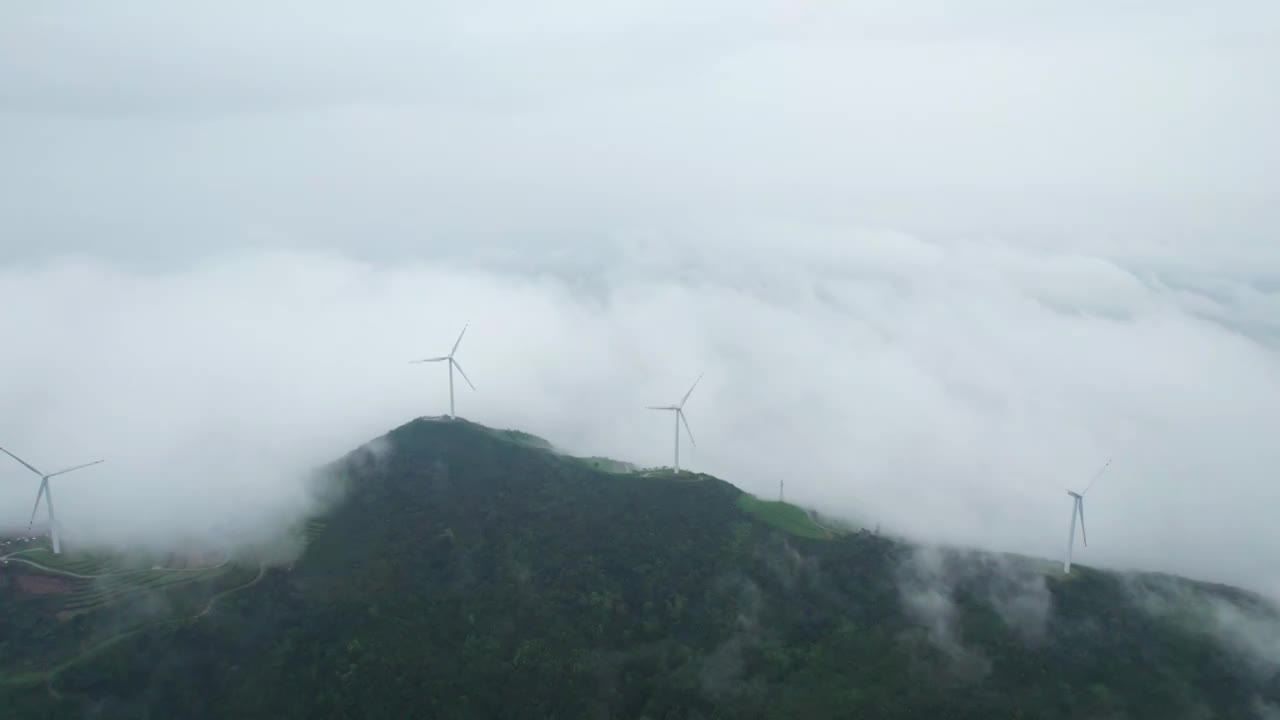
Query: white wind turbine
1077, 510
452, 364
46, 492
679, 411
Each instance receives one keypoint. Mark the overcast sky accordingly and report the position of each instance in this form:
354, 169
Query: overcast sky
938, 265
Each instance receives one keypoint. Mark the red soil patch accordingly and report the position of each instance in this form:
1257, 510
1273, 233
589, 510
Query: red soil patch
44, 585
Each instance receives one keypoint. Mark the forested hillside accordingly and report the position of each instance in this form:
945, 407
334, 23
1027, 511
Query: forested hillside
462, 572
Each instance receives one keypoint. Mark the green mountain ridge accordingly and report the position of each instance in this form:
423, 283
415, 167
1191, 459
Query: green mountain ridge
463, 572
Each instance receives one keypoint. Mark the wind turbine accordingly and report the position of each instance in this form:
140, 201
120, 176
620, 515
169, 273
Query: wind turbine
47, 493
452, 364
679, 411
1077, 510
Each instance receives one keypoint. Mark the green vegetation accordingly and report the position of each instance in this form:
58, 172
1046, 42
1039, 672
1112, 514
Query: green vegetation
519, 437
608, 465
784, 516
467, 573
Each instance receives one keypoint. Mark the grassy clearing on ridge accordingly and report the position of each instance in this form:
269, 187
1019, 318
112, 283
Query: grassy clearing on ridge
608, 465
783, 516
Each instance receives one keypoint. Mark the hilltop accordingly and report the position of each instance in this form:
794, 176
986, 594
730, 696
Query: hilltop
464, 572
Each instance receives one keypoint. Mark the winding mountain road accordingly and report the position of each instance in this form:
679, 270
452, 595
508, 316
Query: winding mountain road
13, 557
50, 676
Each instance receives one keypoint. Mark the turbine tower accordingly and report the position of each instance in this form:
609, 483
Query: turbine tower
680, 418
1077, 510
452, 364
46, 492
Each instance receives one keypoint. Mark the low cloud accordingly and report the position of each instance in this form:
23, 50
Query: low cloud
720, 671
930, 577
949, 391
1247, 626
927, 597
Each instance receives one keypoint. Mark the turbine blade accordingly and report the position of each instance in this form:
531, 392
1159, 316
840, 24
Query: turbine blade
661, 407
464, 374
685, 399
26, 464
1083, 534
434, 359
1096, 476
459, 341
680, 413
43, 483
64, 472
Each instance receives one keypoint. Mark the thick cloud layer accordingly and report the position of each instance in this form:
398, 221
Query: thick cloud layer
949, 392
223, 232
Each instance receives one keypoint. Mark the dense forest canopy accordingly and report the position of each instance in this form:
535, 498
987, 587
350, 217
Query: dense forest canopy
461, 572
